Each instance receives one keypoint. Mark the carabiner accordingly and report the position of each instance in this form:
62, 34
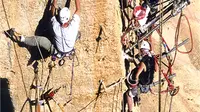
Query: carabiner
61, 62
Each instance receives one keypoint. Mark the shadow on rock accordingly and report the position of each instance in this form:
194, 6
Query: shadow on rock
6, 102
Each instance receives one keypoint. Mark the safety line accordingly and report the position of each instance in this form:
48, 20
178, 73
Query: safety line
178, 31
160, 49
165, 101
17, 57
37, 77
170, 106
118, 92
35, 38
72, 78
5, 14
37, 47
9, 43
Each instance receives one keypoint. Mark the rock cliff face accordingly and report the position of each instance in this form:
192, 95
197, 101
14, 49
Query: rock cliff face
95, 60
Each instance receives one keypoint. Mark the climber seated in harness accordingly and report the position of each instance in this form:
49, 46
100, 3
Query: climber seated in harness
142, 76
65, 29
66, 32
143, 14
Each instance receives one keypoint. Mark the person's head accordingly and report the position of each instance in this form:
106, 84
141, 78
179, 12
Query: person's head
145, 47
139, 12
64, 15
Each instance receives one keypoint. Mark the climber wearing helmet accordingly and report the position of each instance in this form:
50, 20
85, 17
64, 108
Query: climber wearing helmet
64, 15
66, 32
140, 77
144, 13
65, 29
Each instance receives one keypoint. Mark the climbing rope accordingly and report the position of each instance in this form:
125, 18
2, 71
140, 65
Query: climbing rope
71, 85
46, 86
177, 50
118, 92
6, 16
38, 47
167, 49
178, 31
15, 49
160, 50
36, 74
177, 36
113, 102
37, 93
72, 78
35, 39
170, 63
9, 44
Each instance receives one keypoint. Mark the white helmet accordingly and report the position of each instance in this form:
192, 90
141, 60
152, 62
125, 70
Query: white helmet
64, 15
145, 45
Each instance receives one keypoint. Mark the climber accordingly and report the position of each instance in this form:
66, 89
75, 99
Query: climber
153, 4
65, 33
144, 13
65, 29
141, 13
142, 76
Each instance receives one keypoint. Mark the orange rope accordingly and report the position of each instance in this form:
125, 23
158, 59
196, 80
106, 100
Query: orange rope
191, 37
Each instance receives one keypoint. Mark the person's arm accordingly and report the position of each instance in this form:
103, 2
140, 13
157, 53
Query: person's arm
53, 7
77, 3
141, 1
140, 69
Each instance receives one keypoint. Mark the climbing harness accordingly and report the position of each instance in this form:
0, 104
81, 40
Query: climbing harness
70, 55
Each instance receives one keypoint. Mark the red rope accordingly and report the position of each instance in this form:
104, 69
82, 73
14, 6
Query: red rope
191, 38
177, 35
169, 71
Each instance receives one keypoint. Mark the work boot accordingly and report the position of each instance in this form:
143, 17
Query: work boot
13, 34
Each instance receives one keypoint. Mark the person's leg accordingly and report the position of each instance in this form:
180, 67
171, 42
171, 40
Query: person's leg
129, 101
124, 102
31, 40
38, 41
